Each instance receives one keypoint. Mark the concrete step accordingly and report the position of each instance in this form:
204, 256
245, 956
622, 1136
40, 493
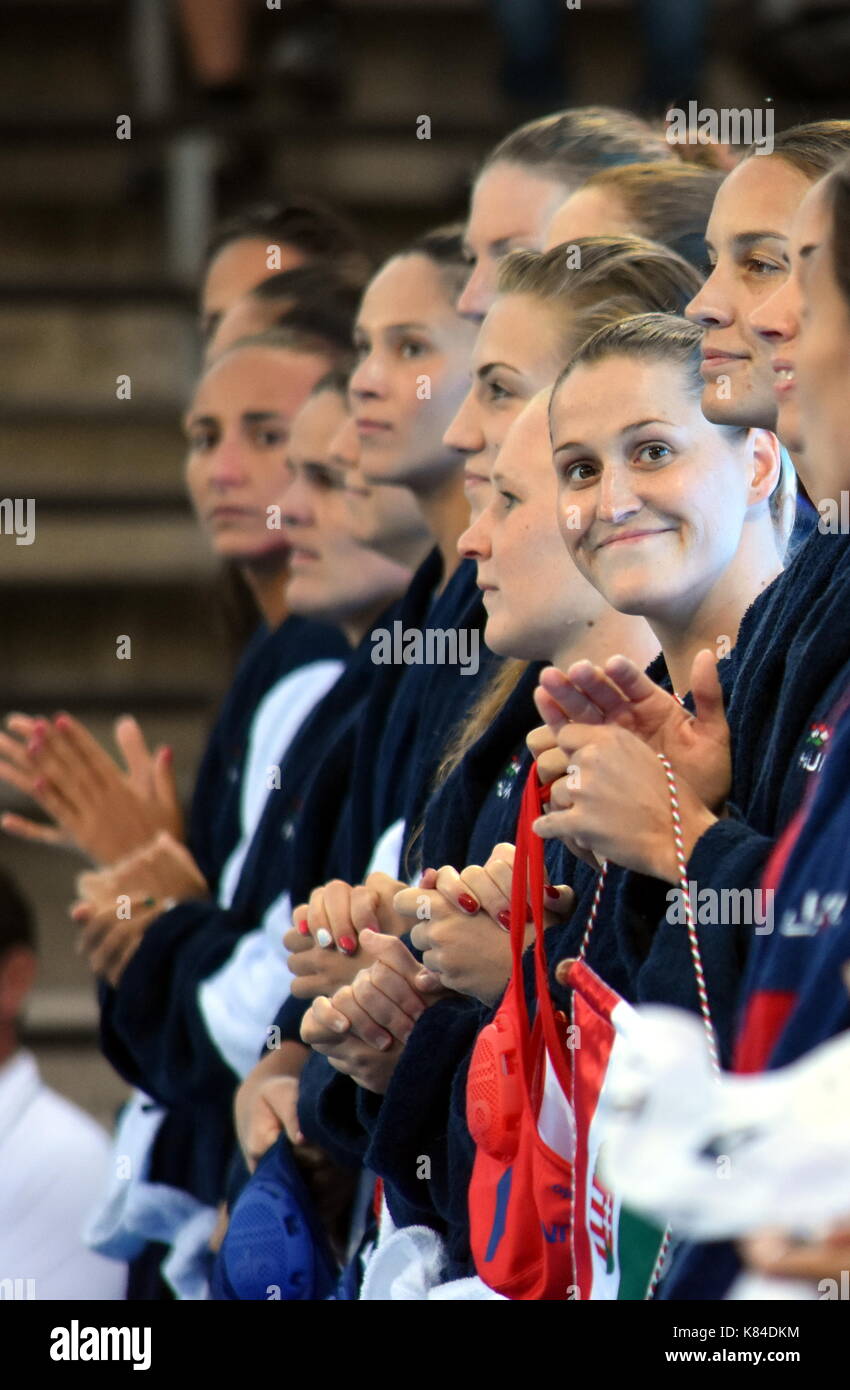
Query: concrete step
93, 550
118, 457
59, 643
67, 244
62, 354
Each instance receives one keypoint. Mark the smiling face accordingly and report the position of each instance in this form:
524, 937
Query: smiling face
413, 356
239, 267
822, 358
747, 239
511, 209
591, 212
332, 576
532, 591
238, 426
651, 497
518, 351
777, 320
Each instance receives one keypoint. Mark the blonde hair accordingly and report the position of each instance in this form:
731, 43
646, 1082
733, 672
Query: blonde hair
625, 291
569, 146
670, 202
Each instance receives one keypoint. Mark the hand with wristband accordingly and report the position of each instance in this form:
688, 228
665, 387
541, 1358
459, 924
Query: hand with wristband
116, 905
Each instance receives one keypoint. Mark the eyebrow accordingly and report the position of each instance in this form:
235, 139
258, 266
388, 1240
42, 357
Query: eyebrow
489, 367
248, 417
501, 246
627, 429
744, 240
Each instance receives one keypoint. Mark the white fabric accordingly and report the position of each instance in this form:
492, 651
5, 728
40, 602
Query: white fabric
386, 855
134, 1211
236, 1004
404, 1267
556, 1121
719, 1157
239, 1000
277, 720
53, 1161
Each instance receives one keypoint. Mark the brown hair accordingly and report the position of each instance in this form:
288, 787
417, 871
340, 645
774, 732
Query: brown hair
618, 276
812, 148
639, 273
571, 145
669, 202
837, 193
443, 246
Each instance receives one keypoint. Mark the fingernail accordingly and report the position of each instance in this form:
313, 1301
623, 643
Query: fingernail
62, 721
339, 1025
550, 891
347, 945
168, 755
324, 938
504, 919
468, 903
383, 1042
304, 927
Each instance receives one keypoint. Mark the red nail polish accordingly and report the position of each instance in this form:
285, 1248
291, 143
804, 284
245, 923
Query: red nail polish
550, 891
304, 927
468, 903
504, 919
347, 945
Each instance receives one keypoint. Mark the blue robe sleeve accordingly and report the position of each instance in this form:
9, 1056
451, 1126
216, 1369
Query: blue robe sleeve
414, 1121
152, 1030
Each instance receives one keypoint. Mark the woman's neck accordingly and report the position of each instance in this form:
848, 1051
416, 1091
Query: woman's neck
266, 578
611, 634
446, 511
714, 621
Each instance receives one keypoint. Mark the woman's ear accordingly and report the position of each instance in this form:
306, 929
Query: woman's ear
765, 464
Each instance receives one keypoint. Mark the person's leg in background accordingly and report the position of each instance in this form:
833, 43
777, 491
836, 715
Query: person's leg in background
532, 70
673, 36
216, 35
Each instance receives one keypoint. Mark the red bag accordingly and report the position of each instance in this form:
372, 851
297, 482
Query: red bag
520, 1197
542, 1223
